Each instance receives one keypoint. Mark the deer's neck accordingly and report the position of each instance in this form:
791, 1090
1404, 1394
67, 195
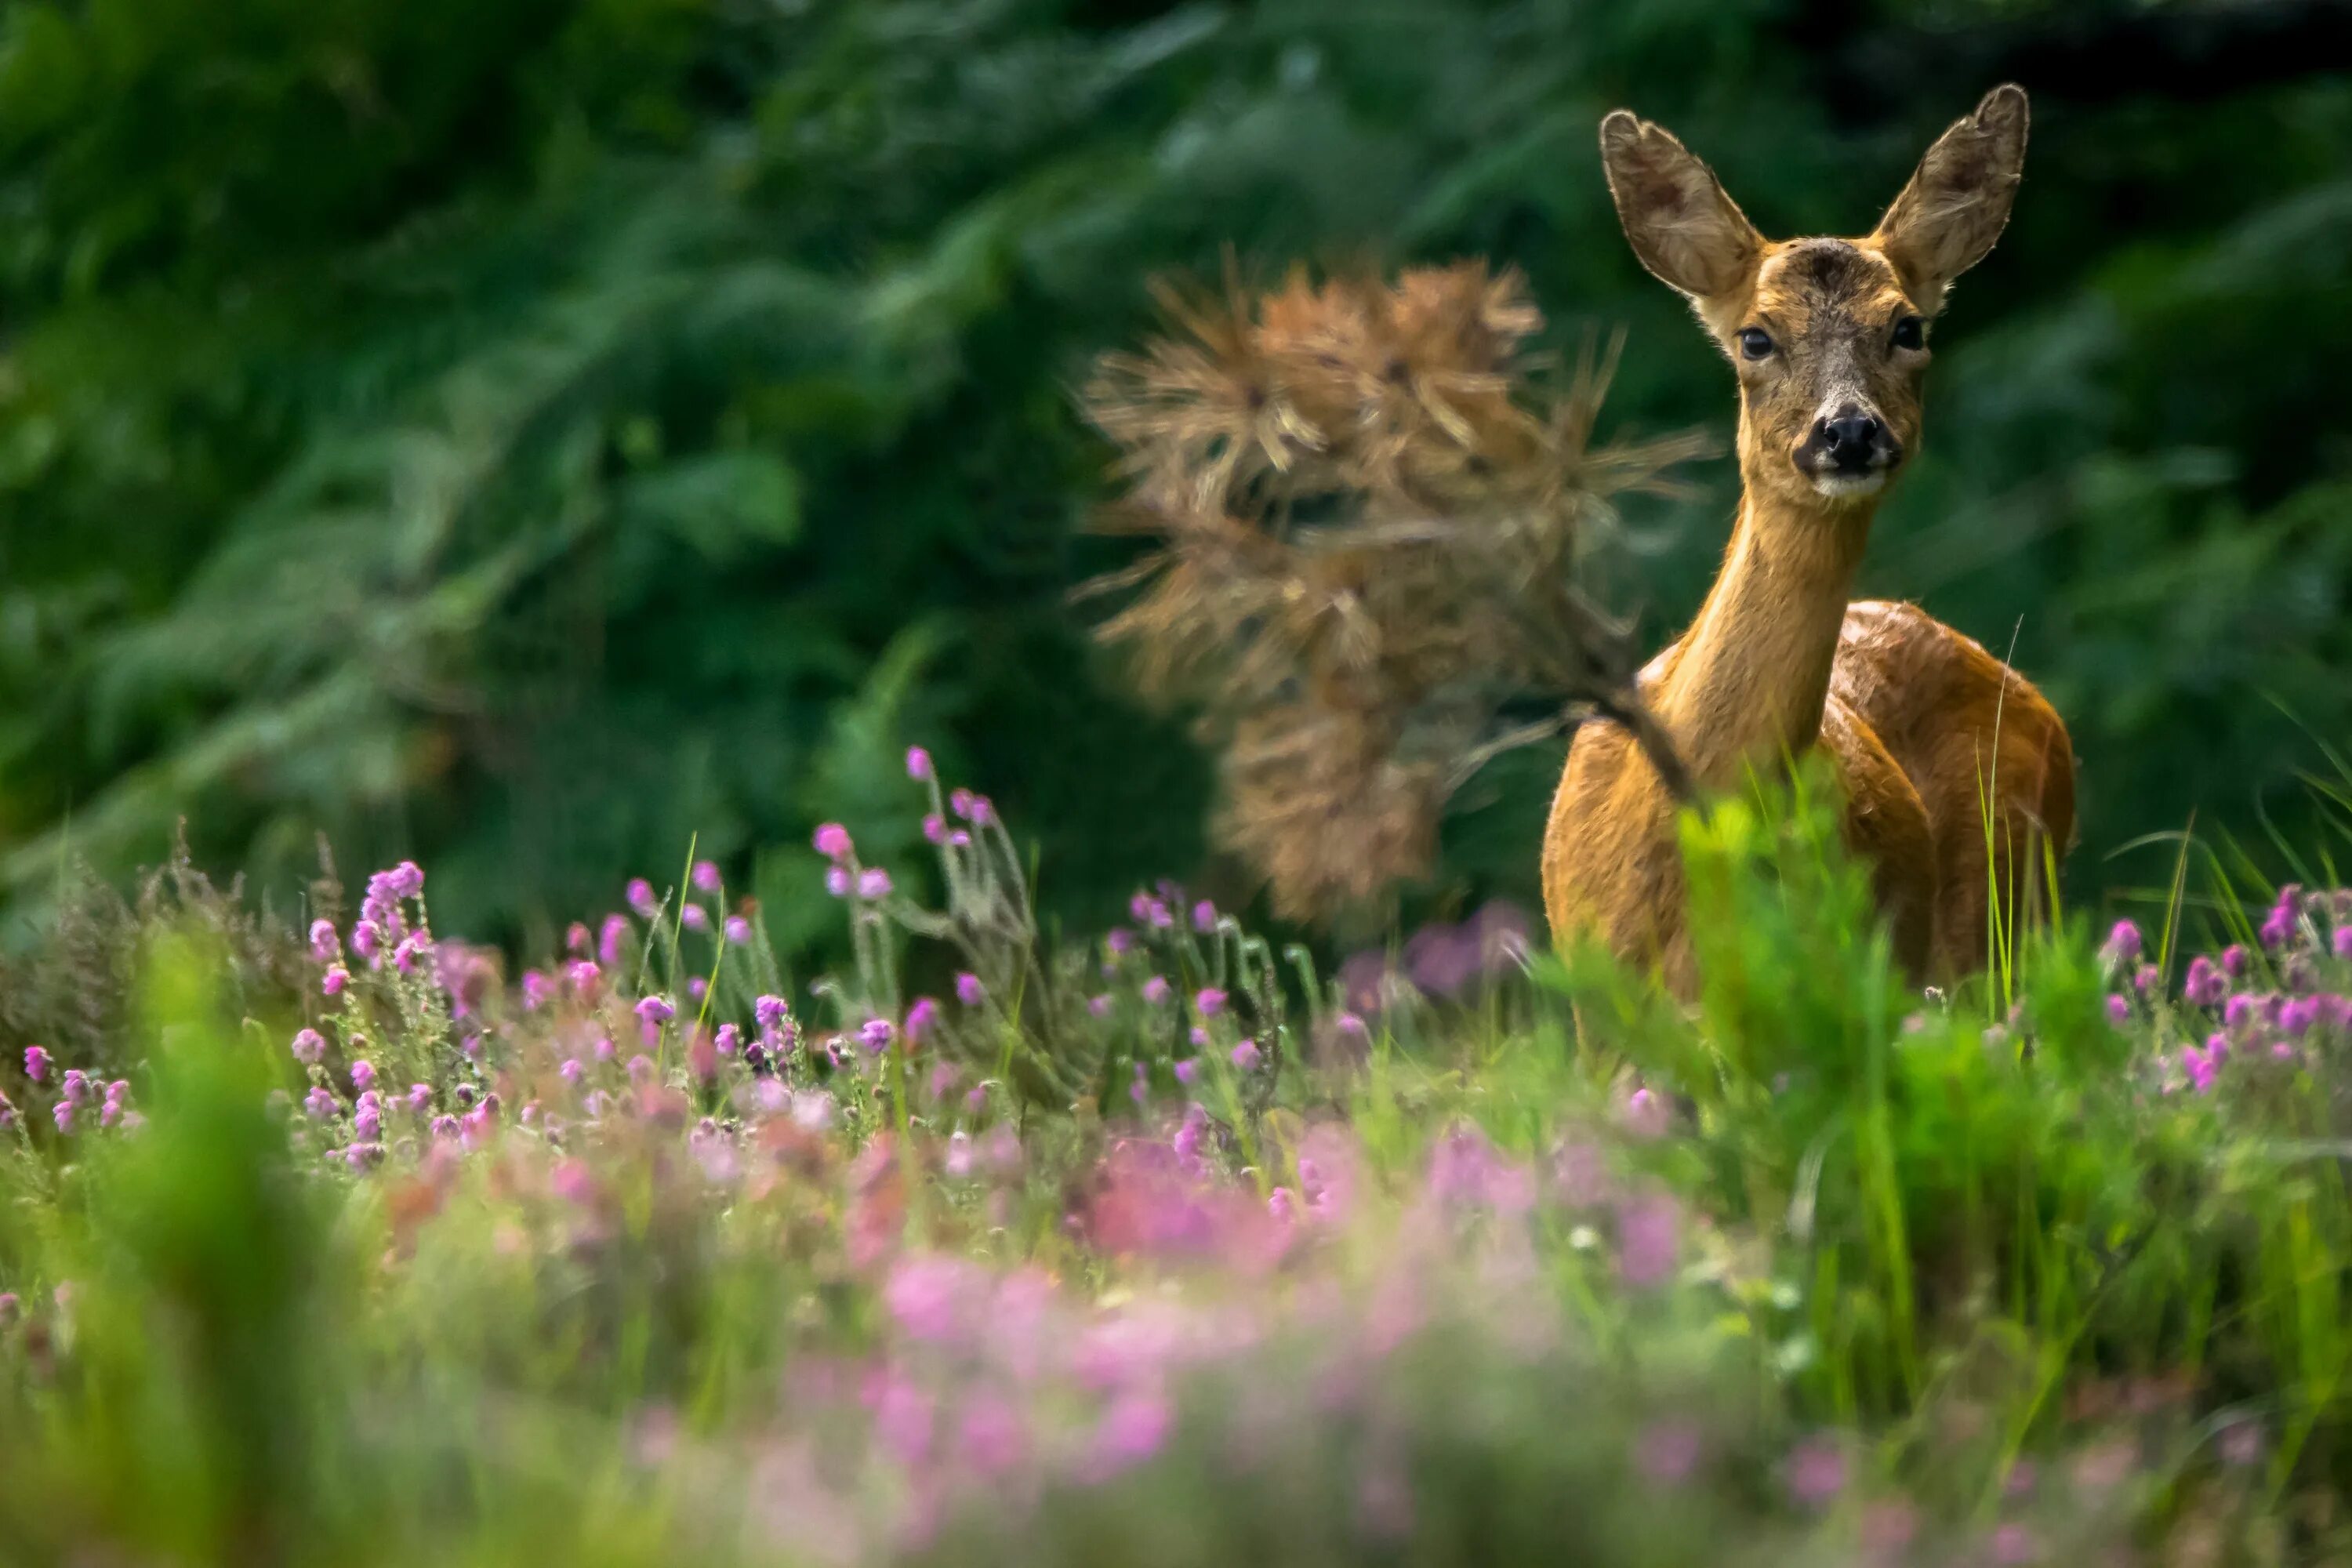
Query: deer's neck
1748, 682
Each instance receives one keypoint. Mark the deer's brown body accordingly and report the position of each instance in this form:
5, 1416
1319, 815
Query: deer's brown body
1931, 737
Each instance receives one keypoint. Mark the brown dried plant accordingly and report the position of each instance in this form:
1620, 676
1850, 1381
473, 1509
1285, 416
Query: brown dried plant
1368, 524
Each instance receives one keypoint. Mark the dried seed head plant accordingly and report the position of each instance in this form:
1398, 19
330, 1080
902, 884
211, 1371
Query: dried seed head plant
1369, 520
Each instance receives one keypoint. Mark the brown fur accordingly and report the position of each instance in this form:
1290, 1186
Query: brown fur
1925, 728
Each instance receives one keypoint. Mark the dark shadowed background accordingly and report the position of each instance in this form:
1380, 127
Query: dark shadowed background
524, 435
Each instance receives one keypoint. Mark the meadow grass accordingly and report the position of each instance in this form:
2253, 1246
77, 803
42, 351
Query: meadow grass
338, 1245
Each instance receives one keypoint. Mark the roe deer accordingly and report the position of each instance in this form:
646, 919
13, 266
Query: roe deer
1932, 738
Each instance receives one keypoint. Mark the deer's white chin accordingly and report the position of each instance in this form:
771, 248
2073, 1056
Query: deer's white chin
1848, 487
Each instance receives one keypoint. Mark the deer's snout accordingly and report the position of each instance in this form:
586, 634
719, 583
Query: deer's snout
1848, 444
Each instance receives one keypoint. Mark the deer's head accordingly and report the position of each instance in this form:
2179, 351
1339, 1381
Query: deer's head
1829, 336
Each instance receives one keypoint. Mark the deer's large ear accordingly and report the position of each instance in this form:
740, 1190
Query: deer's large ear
1957, 202
1686, 230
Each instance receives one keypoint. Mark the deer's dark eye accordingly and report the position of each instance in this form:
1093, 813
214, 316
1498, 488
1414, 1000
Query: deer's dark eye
1755, 341
1910, 333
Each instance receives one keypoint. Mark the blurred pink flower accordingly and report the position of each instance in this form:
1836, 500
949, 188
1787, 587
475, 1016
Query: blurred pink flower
1667, 1452
1649, 1232
1815, 1472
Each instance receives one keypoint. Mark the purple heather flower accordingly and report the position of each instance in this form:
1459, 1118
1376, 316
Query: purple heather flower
2206, 985
318, 1102
696, 987
770, 1013
411, 948
727, 1040
640, 895
2118, 1011
2013, 1545
324, 943
62, 1113
36, 1063
935, 827
1120, 940
583, 973
1816, 1472
959, 839
694, 917
655, 1011
640, 1067
367, 1120
1279, 1208
1646, 1114
1211, 1002
874, 883
615, 932
706, 876
363, 1074
838, 881
1156, 990
2278, 926
2342, 941
576, 938
1247, 1056
2200, 1066
1668, 1452
118, 1091
572, 1072
76, 1085
1132, 1431
2123, 944
445, 1126
604, 1049
969, 990
1188, 1070
310, 1045
420, 1097
739, 931
1649, 1233
1200, 1038
1205, 916
875, 1035
367, 940
2234, 960
2297, 1016
832, 841
1098, 1005
334, 980
538, 990
920, 1019
919, 762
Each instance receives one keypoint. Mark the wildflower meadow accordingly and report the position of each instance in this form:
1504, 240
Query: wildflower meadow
613, 611
343, 1244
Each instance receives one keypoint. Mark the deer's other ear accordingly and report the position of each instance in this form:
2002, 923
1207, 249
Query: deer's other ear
1957, 202
1686, 230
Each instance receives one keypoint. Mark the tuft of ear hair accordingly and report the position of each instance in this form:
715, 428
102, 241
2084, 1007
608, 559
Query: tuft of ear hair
1681, 223
1957, 202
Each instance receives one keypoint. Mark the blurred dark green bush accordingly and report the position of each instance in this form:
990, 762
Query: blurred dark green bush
519, 434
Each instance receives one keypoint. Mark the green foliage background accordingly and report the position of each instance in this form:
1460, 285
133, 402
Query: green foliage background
518, 435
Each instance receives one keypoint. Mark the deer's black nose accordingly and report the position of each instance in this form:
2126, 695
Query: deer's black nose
1848, 440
